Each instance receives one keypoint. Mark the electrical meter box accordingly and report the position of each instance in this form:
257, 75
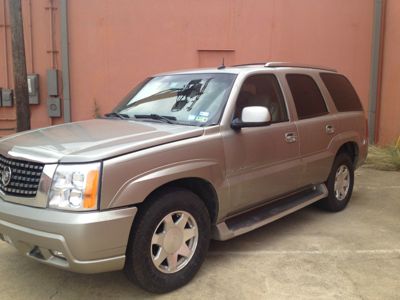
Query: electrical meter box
33, 88
54, 107
52, 82
6, 97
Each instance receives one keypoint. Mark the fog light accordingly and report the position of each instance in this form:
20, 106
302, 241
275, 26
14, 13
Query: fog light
57, 253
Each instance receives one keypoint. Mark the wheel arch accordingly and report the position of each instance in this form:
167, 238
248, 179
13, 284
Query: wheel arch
201, 187
350, 148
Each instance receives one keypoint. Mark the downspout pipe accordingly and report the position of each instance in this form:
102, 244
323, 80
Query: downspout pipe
376, 66
65, 61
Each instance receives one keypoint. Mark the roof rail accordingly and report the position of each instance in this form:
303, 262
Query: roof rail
250, 64
294, 65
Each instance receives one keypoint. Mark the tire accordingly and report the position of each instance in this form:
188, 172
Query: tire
161, 229
338, 198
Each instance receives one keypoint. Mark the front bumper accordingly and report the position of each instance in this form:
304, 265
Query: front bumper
86, 242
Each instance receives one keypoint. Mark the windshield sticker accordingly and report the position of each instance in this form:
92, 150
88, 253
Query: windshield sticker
201, 119
204, 113
191, 117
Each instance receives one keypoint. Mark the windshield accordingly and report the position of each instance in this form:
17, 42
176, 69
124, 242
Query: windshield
189, 99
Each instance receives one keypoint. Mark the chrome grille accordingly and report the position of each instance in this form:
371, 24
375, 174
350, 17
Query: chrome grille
25, 177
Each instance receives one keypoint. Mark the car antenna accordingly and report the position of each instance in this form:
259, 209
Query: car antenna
222, 66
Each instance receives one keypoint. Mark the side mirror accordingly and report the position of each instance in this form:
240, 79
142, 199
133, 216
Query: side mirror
252, 116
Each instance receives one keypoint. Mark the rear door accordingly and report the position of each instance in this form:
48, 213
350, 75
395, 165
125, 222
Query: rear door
316, 127
262, 162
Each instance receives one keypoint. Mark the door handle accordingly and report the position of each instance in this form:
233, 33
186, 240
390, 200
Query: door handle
290, 137
329, 129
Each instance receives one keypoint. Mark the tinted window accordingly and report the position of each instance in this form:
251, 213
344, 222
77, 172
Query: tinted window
342, 92
262, 90
307, 96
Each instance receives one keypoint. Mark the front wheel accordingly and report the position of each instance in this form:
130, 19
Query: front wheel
340, 184
168, 241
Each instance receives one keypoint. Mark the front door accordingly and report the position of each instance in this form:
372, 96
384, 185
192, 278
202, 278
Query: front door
262, 162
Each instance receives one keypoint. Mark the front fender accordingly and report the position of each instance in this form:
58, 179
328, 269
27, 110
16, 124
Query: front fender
136, 189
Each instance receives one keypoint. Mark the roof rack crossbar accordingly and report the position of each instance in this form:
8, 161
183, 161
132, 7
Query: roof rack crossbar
294, 65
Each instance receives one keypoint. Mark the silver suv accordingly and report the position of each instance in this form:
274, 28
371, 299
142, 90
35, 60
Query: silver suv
186, 156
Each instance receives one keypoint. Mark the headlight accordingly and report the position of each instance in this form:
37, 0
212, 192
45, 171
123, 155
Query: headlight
75, 187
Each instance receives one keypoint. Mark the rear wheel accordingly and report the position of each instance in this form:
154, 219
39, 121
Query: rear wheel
168, 241
340, 184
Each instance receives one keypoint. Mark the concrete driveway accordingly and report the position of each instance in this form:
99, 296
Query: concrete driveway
354, 254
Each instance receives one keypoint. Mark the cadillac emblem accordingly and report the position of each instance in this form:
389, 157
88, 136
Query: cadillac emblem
6, 175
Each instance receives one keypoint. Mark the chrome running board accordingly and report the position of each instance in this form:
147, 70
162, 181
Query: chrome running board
268, 213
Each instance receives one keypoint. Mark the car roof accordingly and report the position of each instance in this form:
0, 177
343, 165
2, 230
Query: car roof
251, 67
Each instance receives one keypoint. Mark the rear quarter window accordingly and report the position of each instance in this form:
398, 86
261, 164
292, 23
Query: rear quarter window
307, 97
342, 92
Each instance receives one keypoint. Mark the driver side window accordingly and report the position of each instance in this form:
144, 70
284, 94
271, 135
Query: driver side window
262, 90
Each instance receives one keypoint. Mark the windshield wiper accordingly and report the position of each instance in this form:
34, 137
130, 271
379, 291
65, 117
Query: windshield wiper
167, 90
117, 115
165, 119
154, 97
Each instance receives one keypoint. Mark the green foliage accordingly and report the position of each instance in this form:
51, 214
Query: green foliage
384, 158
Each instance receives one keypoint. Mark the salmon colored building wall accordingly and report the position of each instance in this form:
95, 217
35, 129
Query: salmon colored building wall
114, 44
389, 118
38, 47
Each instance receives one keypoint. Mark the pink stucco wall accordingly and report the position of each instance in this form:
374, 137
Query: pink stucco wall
389, 117
116, 43
36, 21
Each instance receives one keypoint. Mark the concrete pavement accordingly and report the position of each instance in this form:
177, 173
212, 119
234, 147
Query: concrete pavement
311, 254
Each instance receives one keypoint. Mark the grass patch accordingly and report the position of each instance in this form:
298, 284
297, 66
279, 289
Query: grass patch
383, 158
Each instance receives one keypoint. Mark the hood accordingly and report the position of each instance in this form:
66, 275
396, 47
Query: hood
92, 140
